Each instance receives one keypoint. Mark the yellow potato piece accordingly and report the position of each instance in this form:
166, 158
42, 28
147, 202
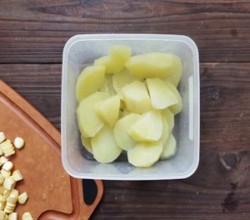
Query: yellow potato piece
148, 128
161, 94
88, 121
121, 131
150, 65
122, 79
105, 149
110, 64
108, 109
175, 72
165, 129
115, 61
89, 81
169, 148
169, 115
176, 108
108, 86
136, 97
120, 53
145, 154
86, 143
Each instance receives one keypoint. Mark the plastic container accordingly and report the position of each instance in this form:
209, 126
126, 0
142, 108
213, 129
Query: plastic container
80, 51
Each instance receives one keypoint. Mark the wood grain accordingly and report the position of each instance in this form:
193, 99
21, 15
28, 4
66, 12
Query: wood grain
39, 84
225, 94
36, 31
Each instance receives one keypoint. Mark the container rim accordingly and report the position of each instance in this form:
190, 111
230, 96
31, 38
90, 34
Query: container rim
129, 36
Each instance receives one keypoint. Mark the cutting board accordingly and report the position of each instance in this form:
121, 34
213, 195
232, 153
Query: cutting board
53, 194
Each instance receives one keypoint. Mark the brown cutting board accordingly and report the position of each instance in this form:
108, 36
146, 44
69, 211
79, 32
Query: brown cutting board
53, 194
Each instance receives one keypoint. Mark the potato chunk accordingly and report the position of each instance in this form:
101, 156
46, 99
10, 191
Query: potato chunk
165, 129
123, 78
166, 113
150, 65
169, 148
161, 94
145, 154
86, 143
110, 64
121, 131
148, 128
115, 61
136, 97
89, 81
108, 109
121, 54
105, 149
176, 108
89, 122
176, 72
108, 86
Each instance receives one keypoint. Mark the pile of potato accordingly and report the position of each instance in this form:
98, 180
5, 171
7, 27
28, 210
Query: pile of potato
127, 103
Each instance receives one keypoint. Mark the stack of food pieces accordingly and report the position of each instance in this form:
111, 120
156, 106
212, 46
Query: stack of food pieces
127, 103
9, 195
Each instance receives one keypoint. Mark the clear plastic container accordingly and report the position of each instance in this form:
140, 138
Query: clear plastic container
80, 51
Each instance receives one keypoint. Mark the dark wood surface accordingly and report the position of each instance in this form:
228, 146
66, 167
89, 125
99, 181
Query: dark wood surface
32, 36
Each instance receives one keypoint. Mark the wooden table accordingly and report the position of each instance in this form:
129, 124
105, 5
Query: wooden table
32, 36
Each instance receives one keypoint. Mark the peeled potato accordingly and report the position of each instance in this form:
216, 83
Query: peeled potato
105, 149
108, 86
86, 142
145, 154
123, 78
136, 97
176, 72
115, 61
121, 131
108, 109
88, 121
120, 53
110, 64
151, 65
176, 108
161, 94
169, 115
148, 128
169, 148
89, 81
165, 130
